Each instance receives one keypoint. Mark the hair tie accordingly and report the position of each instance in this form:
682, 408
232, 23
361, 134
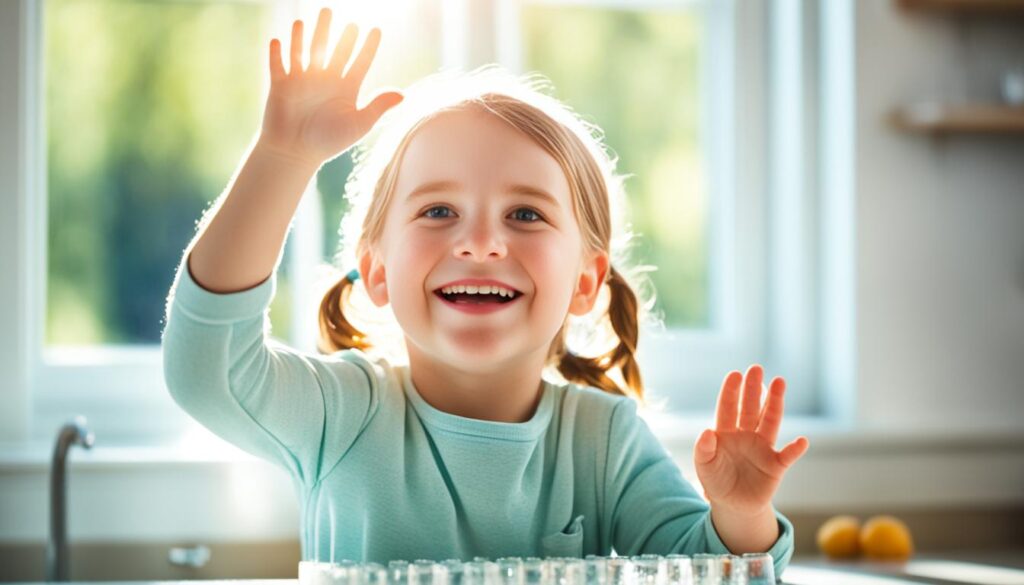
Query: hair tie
353, 275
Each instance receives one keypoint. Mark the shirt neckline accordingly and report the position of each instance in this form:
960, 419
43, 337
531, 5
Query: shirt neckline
524, 431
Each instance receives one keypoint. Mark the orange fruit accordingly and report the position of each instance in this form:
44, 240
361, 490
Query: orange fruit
886, 538
838, 537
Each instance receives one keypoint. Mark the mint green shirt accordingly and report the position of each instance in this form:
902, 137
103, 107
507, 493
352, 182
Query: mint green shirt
382, 475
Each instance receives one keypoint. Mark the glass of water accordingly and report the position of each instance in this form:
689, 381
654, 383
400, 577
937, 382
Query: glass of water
510, 571
759, 568
650, 569
566, 571
595, 570
705, 569
679, 570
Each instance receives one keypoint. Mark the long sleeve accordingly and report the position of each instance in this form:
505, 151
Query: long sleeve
299, 411
652, 508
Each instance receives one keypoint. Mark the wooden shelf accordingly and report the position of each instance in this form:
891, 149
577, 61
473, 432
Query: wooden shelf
967, 6
960, 119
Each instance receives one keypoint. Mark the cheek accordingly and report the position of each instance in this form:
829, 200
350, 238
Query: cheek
411, 256
552, 260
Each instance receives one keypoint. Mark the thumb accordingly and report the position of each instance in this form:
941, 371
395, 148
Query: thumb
706, 448
378, 106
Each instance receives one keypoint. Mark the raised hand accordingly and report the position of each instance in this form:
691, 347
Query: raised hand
311, 113
737, 463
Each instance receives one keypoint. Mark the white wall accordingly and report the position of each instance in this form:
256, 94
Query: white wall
940, 325
940, 271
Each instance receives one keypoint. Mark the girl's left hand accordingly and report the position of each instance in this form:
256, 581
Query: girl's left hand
737, 463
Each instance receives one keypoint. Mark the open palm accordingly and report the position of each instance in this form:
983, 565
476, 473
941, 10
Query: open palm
311, 113
737, 463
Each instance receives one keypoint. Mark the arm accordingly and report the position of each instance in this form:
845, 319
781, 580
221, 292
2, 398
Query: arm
238, 246
745, 533
310, 117
297, 410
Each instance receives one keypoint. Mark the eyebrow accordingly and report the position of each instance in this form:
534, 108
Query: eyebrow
515, 189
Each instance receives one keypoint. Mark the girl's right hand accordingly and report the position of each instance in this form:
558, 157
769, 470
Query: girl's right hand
311, 114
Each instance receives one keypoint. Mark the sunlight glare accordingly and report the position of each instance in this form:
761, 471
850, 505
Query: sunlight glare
812, 576
965, 572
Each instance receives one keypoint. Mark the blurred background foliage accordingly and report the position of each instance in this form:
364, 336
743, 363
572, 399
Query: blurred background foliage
635, 73
151, 105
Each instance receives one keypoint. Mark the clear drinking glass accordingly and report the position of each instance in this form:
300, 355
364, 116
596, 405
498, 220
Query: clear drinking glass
536, 571
479, 573
760, 568
650, 569
566, 571
705, 569
398, 572
595, 570
454, 567
679, 570
309, 573
427, 572
731, 570
345, 573
375, 574
510, 571
621, 571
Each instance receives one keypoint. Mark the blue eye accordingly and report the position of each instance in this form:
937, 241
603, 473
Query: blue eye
428, 212
530, 211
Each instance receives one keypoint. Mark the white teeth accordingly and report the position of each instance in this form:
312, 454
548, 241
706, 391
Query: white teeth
482, 290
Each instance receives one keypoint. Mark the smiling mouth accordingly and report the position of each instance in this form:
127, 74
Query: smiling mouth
476, 299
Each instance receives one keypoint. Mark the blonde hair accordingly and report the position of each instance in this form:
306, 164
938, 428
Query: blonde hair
597, 194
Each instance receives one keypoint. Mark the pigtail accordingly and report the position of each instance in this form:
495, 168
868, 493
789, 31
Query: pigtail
623, 312
336, 332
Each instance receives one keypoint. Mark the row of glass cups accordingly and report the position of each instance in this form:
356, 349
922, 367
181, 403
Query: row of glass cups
700, 569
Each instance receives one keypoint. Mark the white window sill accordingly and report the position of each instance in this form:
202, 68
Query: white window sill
677, 433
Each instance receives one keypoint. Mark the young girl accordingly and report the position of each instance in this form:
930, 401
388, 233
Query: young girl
487, 225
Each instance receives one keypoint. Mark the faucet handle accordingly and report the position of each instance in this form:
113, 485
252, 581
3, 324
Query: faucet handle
192, 556
82, 435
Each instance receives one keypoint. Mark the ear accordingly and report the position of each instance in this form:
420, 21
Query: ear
371, 271
588, 286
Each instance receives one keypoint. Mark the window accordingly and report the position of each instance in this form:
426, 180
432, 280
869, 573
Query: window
139, 112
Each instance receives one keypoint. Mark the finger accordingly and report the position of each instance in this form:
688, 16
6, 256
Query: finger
319, 45
276, 65
771, 416
706, 447
343, 50
357, 71
296, 50
728, 402
793, 451
750, 406
369, 115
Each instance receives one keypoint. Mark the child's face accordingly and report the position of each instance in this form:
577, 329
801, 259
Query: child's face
477, 225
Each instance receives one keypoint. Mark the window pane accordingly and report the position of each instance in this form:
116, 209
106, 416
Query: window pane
149, 107
636, 75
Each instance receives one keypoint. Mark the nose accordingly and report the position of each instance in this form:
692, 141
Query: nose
480, 241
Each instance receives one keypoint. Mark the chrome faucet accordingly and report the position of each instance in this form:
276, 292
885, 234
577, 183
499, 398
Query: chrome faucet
72, 433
